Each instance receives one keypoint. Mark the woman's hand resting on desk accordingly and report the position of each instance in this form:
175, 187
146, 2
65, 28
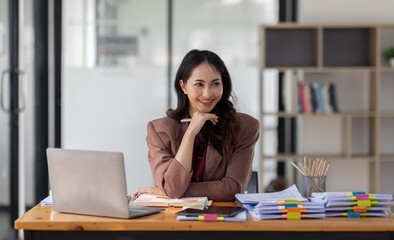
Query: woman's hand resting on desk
149, 190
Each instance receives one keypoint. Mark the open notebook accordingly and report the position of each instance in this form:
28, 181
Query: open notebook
163, 201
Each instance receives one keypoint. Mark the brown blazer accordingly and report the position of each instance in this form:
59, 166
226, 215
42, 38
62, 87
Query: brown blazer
224, 176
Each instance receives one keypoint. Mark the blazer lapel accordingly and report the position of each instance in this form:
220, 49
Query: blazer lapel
182, 127
212, 161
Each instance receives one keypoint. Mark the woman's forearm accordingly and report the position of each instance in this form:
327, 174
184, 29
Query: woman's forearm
185, 152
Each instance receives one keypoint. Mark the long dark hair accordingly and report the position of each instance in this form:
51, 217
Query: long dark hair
227, 128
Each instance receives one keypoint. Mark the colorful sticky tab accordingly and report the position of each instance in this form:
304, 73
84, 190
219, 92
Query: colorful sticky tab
293, 216
353, 214
284, 207
364, 203
210, 218
362, 197
291, 205
291, 201
295, 210
359, 209
355, 193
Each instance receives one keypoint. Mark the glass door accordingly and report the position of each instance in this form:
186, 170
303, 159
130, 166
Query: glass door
5, 127
16, 112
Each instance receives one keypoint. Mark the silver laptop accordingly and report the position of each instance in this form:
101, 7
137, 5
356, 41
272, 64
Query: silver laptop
92, 183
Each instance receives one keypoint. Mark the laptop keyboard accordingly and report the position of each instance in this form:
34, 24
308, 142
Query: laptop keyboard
138, 211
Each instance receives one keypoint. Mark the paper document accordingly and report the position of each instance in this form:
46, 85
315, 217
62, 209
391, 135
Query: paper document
47, 201
344, 196
164, 201
283, 216
255, 198
240, 217
367, 214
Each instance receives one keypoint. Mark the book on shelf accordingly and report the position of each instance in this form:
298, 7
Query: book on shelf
320, 99
333, 98
326, 98
289, 92
314, 104
307, 97
302, 97
164, 201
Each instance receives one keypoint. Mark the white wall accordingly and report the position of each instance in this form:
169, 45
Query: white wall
351, 11
108, 107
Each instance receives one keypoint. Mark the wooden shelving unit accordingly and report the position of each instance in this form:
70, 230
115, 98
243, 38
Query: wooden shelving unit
320, 48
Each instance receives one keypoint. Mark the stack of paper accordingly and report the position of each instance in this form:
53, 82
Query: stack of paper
287, 204
276, 197
290, 209
354, 204
163, 201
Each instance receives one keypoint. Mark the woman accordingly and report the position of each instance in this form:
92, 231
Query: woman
203, 147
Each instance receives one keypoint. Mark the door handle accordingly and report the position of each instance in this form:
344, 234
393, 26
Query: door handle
2, 90
2, 104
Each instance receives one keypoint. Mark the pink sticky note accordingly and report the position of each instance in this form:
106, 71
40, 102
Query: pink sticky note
362, 197
210, 217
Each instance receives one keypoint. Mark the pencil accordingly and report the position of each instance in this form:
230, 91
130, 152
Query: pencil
186, 120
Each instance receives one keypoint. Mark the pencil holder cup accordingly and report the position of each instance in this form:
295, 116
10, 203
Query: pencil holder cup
312, 184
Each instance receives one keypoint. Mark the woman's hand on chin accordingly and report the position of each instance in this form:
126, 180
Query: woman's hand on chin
199, 119
149, 190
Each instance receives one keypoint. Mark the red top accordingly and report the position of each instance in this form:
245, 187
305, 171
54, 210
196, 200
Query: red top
198, 163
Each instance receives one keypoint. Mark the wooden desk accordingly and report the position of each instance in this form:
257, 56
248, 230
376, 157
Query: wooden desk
44, 223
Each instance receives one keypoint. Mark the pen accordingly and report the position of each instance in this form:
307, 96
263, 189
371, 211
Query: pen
186, 120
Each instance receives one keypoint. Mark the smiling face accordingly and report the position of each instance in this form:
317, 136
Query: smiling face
203, 88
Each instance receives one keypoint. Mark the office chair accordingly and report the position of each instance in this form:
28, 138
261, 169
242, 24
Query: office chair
253, 185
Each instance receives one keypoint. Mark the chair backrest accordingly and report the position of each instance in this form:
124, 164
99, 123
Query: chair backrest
253, 185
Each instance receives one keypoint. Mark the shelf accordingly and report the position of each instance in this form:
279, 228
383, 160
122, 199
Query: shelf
352, 50
386, 158
328, 26
387, 114
326, 69
347, 47
291, 47
387, 69
329, 157
340, 114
